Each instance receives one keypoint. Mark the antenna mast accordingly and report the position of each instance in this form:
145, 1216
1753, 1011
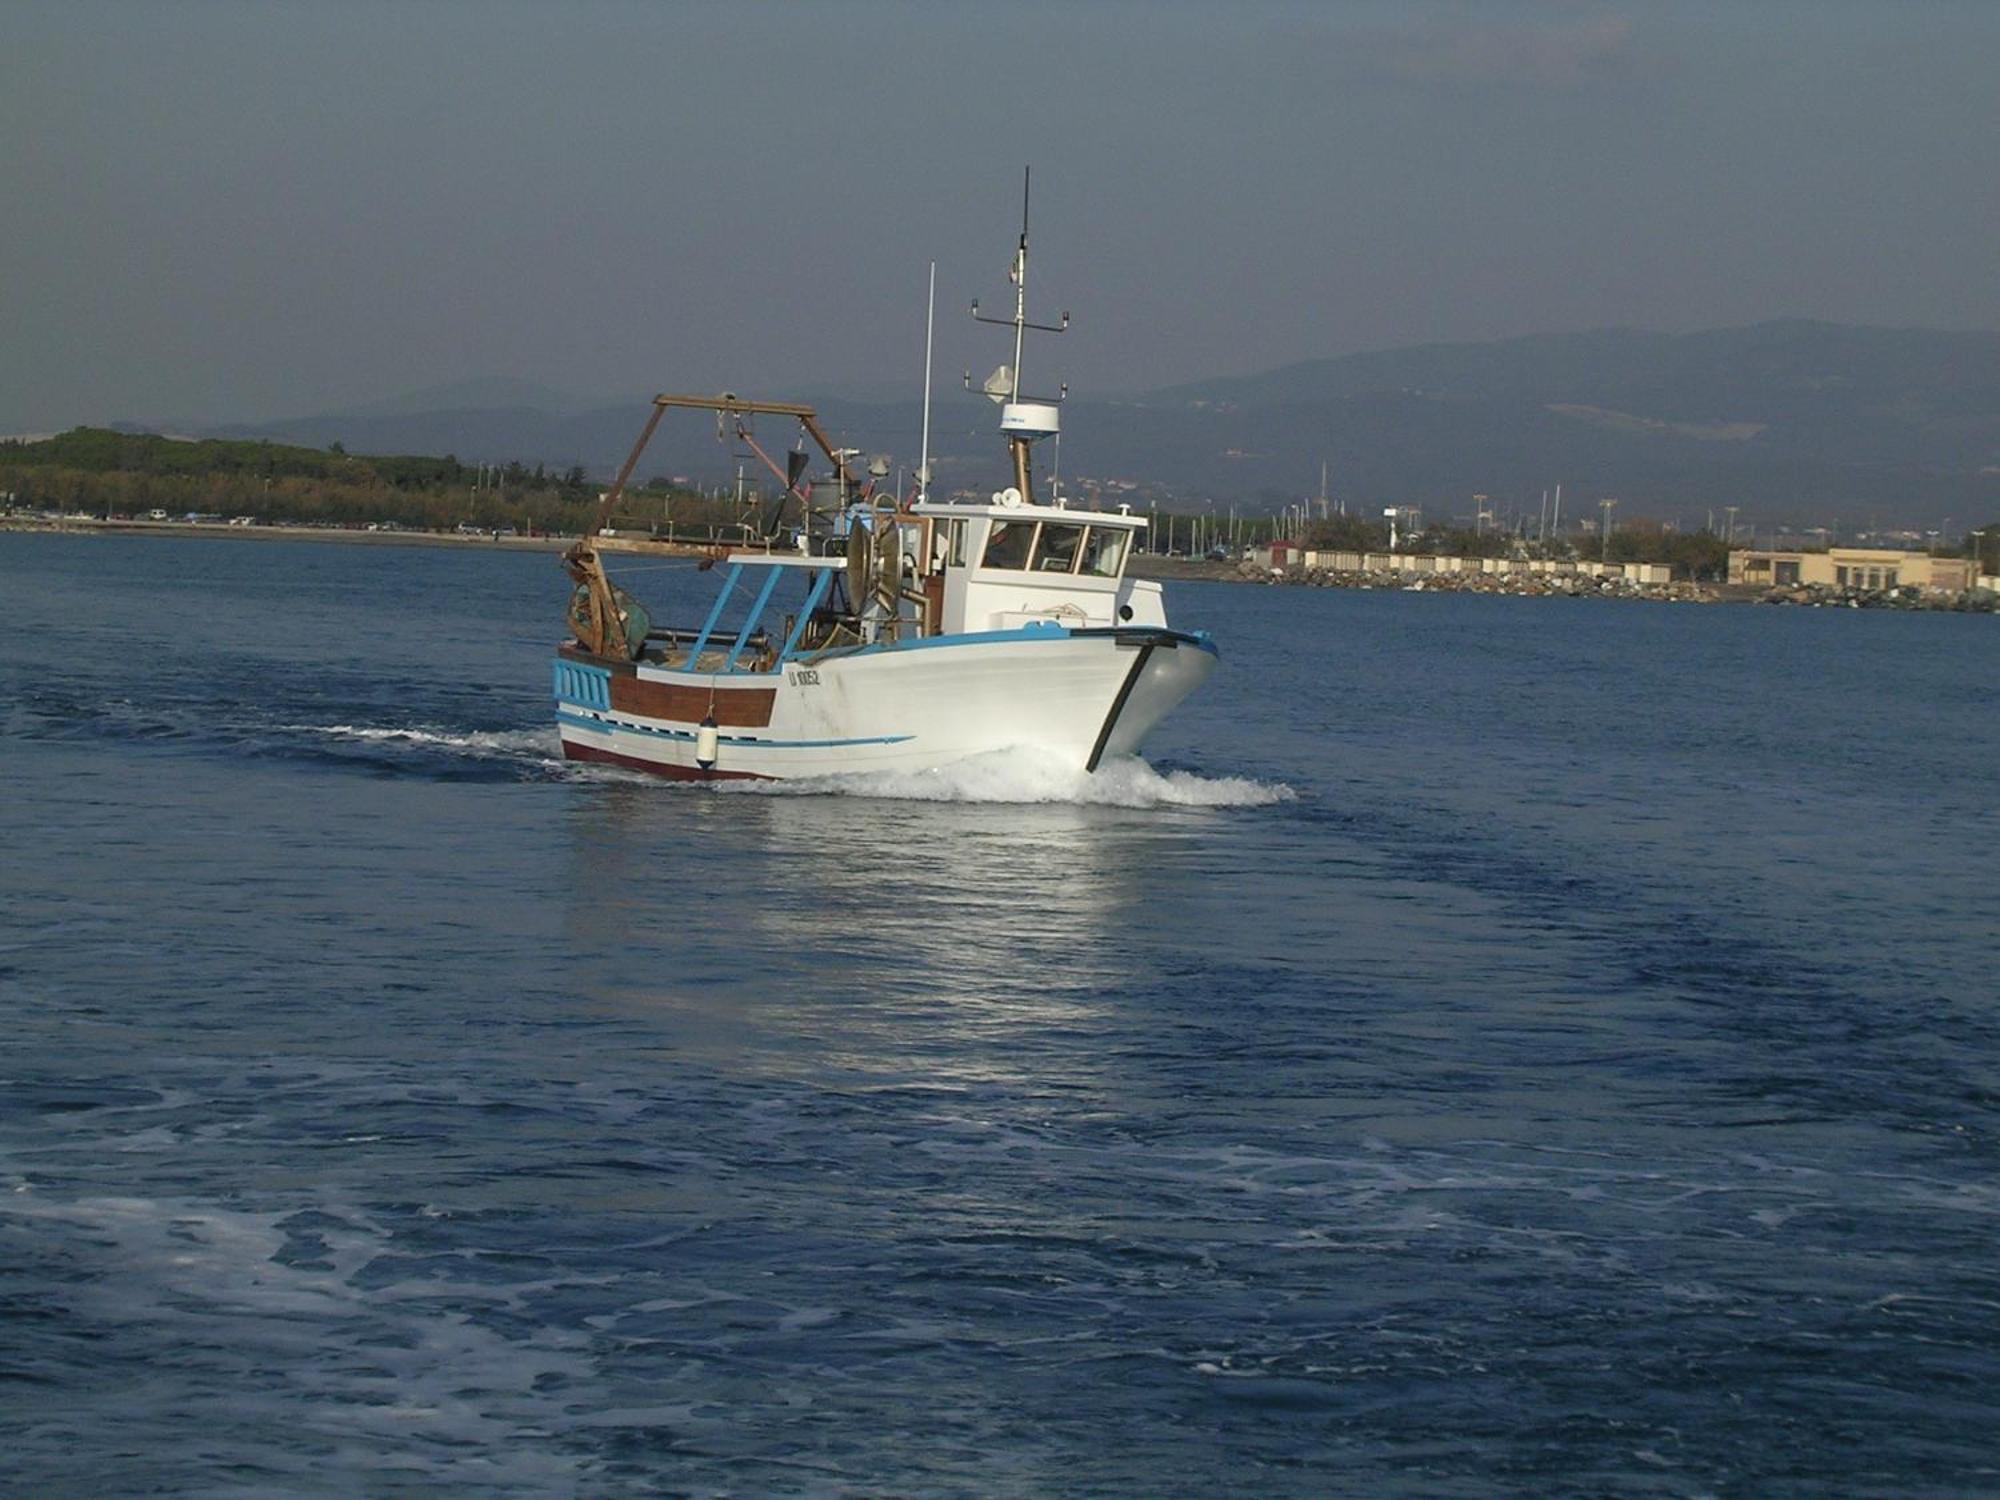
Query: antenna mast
1020, 278
1022, 422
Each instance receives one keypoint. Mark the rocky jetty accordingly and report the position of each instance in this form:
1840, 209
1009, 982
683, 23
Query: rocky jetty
1827, 596
1523, 585
1584, 586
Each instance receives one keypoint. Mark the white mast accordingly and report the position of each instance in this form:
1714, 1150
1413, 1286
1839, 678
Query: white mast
1021, 422
1020, 279
930, 324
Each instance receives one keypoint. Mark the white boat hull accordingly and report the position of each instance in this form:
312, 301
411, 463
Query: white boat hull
1079, 695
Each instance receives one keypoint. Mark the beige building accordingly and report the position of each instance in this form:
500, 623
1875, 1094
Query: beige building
1852, 567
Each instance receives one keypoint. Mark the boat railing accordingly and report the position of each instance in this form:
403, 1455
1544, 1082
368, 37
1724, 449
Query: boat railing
810, 629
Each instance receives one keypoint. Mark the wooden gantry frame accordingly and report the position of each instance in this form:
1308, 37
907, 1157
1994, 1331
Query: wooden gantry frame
600, 626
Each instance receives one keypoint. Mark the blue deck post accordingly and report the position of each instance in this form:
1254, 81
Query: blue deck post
756, 614
813, 596
715, 614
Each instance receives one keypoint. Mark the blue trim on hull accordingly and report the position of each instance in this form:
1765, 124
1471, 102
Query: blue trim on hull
620, 726
1153, 635
597, 694
1036, 635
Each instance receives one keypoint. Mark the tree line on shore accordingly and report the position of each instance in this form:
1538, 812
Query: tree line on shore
118, 474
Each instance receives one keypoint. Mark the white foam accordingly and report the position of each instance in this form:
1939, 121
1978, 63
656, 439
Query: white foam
485, 745
1034, 776
253, 1341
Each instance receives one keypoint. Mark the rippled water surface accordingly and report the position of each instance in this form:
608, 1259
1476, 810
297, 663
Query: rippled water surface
1489, 1046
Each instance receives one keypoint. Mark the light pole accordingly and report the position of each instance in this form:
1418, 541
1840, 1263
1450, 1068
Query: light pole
1604, 531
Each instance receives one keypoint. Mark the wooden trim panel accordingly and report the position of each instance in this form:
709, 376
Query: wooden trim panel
737, 708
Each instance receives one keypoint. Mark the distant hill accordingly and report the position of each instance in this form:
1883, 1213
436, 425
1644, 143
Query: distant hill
1798, 422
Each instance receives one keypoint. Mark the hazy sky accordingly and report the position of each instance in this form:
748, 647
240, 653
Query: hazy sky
246, 211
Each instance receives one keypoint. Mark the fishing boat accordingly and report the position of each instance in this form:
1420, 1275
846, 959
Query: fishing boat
864, 630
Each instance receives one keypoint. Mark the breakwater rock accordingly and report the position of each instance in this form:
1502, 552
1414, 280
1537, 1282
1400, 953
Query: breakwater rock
1522, 585
1828, 596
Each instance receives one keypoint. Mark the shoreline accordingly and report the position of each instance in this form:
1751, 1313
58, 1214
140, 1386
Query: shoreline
1143, 565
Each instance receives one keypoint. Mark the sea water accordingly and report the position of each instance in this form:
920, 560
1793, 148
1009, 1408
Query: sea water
1487, 1046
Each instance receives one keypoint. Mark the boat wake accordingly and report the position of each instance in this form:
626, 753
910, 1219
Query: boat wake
181, 722
1031, 776
431, 750
505, 744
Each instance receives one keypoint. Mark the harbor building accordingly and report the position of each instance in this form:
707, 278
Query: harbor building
1852, 567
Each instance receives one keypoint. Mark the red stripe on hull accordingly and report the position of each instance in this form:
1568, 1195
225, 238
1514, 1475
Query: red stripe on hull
573, 751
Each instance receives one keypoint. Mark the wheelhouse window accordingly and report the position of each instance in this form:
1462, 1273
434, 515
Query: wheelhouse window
1057, 551
1104, 551
959, 529
1010, 546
